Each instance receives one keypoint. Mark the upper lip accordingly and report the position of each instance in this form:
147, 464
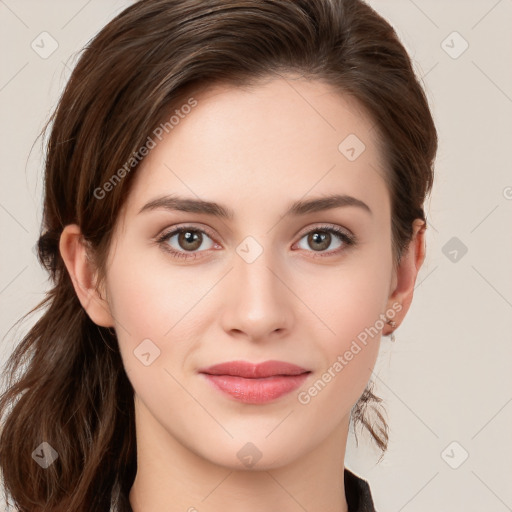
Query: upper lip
254, 371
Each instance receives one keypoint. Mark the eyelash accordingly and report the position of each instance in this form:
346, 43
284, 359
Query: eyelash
348, 241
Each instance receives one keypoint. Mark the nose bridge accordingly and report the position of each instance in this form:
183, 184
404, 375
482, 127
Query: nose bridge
258, 302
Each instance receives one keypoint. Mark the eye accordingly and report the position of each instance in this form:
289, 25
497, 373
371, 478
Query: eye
321, 238
185, 239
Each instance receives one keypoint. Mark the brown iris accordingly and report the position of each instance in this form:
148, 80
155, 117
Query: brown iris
319, 237
194, 238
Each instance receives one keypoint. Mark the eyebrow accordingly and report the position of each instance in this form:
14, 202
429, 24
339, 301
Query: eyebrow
301, 207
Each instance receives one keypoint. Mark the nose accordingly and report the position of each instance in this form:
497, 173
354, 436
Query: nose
258, 302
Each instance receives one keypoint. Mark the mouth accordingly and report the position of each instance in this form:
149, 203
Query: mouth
255, 383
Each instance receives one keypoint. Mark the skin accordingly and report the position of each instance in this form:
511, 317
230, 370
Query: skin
254, 151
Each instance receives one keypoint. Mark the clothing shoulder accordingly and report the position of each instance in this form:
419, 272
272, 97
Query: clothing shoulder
358, 493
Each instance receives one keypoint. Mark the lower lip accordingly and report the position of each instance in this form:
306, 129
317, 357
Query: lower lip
256, 391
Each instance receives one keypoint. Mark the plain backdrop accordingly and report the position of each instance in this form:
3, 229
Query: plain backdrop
447, 381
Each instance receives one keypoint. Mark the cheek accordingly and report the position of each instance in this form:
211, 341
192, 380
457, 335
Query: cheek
147, 297
159, 309
149, 304
351, 305
348, 299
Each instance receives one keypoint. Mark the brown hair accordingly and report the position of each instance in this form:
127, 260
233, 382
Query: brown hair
67, 384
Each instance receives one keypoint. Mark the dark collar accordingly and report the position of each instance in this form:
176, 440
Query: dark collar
358, 494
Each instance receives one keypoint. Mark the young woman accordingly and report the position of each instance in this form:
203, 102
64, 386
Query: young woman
233, 217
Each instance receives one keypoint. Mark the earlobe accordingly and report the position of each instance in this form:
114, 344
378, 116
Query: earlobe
83, 275
407, 272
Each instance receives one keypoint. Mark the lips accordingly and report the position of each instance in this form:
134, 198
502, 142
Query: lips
255, 383
254, 371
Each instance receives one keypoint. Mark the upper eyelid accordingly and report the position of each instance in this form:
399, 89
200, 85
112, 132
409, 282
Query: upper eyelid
176, 229
325, 225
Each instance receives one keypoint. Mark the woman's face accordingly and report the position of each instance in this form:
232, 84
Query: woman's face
269, 282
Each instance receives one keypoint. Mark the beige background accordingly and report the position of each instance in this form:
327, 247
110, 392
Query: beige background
448, 377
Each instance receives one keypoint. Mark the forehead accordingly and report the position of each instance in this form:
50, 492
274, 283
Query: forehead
275, 141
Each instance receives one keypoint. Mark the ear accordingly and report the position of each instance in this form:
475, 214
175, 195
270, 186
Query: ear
406, 274
73, 250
